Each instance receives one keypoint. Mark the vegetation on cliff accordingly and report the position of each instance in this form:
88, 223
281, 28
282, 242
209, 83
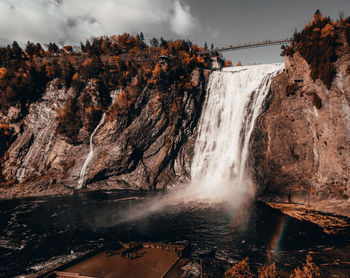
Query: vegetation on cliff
319, 43
124, 63
56, 96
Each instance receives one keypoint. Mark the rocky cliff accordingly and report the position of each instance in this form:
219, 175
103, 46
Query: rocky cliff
301, 144
142, 151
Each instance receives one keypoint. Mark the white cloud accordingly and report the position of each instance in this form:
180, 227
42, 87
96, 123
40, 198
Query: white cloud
181, 22
77, 20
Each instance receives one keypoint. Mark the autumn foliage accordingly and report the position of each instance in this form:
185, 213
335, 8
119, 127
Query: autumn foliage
242, 269
318, 44
122, 63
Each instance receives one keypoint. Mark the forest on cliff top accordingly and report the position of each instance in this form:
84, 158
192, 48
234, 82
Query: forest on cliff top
320, 43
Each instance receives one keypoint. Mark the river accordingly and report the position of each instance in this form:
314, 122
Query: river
40, 232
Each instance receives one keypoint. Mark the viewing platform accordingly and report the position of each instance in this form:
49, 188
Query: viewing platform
153, 260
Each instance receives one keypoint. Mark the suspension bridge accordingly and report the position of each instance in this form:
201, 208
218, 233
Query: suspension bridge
245, 46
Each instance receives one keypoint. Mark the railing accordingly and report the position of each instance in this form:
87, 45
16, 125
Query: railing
245, 46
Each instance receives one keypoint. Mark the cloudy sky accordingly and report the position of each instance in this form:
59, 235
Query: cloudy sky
222, 22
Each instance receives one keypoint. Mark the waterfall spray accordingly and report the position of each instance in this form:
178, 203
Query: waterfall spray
233, 102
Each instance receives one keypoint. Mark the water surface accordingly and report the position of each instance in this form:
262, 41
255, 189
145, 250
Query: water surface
40, 232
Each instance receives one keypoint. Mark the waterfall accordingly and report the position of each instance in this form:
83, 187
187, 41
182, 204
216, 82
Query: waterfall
233, 102
91, 153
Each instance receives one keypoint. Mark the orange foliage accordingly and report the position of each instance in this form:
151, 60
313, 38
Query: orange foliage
317, 44
3, 72
239, 270
239, 64
87, 62
75, 76
122, 62
317, 17
228, 63
328, 30
309, 270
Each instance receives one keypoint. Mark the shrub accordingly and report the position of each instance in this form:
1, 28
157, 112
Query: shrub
239, 270
267, 271
69, 120
309, 270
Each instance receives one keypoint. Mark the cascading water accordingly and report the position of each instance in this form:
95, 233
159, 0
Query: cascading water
91, 153
233, 102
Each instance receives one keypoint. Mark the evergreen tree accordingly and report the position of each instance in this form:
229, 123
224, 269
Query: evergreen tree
154, 42
53, 48
38, 49
16, 51
30, 48
163, 42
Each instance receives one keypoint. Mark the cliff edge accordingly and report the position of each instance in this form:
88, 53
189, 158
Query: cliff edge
300, 148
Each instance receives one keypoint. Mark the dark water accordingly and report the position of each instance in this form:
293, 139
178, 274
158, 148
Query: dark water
39, 232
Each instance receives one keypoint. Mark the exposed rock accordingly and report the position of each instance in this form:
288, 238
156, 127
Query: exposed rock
330, 223
143, 151
300, 147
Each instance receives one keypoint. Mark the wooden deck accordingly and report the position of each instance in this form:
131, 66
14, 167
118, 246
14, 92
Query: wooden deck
148, 260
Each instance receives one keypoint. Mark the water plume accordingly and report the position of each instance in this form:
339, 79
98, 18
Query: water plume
234, 100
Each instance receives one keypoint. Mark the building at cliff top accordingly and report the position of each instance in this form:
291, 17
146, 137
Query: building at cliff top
216, 63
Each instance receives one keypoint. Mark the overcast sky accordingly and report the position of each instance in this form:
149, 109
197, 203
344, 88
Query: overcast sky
222, 22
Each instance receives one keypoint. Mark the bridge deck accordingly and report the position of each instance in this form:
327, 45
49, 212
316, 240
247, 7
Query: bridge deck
246, 45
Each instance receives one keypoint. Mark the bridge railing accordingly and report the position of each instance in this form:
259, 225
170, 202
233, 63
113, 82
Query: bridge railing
246, 45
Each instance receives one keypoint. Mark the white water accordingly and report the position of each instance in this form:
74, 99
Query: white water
233, 102
91, 153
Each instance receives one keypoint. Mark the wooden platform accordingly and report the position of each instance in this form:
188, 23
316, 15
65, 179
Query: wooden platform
153, 260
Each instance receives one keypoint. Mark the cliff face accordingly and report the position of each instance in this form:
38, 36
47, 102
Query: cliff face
144, 151
300, 148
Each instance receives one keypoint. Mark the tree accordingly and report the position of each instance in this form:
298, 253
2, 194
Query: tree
52, 48
68, 72
154, 42
38, 50
205, 45
30, 49
142, 37
68, 48
16, 51
163, 42
82, 47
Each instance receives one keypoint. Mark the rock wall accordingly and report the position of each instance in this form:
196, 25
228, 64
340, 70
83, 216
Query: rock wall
144, 152
300, 148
